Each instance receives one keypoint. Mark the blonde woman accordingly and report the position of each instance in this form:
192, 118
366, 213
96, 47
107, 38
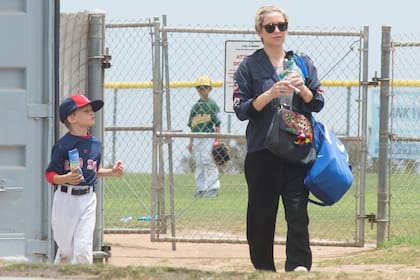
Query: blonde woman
270, 75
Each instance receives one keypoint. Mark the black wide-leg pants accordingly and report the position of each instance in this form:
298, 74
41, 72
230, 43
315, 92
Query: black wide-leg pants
268, 178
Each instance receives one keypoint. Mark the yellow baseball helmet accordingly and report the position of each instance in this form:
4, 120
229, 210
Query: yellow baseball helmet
203, 81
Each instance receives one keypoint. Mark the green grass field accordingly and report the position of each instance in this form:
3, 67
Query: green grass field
226, 213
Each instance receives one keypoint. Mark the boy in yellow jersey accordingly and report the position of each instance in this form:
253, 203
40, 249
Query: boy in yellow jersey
205, 118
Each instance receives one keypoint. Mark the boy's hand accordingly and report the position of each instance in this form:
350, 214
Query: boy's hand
118, 169
74, 177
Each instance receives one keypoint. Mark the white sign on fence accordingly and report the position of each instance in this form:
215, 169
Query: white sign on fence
235, 52
404, 121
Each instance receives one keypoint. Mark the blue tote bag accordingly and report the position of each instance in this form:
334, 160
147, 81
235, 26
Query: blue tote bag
330, 176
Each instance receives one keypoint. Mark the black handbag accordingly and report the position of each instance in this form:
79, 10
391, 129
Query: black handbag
290, 136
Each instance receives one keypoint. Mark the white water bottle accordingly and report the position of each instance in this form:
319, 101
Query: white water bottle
74, 161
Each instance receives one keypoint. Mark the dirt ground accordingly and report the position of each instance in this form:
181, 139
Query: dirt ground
138, 250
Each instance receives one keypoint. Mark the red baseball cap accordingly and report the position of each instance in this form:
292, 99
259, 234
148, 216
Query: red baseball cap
70, 104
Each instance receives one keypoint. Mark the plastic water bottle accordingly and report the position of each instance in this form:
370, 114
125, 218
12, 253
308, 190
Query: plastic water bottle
145, 218
126, 219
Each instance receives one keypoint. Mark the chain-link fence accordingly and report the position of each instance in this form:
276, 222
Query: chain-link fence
149, 92
404, 132
129, 125
157, 190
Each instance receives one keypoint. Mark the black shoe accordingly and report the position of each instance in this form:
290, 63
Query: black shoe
210, 193
199, 194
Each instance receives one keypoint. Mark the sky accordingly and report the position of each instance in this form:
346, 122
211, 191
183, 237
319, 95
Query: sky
400, 15
330, 15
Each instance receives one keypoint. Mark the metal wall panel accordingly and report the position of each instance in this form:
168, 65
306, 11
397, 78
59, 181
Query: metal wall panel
26, 94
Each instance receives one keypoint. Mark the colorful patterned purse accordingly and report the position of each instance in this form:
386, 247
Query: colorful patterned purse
290, 137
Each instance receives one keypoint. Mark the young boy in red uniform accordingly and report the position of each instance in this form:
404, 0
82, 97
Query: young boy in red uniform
74, 205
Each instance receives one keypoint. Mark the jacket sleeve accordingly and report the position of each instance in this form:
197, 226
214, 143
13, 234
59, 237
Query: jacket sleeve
242, 93
254, 76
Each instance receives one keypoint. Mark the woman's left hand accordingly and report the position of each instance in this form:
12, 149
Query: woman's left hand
295, 79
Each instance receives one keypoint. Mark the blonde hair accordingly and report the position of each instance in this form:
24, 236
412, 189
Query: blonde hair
259, 18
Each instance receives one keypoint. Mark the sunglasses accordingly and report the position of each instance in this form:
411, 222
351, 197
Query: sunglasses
203, 87
270, 28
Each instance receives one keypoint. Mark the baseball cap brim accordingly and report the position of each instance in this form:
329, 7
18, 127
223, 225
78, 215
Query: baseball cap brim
96, 105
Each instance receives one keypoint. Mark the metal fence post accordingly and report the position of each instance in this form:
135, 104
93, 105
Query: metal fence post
95, 91
165, 55
364, 134
157, 159
383, 136
114, 124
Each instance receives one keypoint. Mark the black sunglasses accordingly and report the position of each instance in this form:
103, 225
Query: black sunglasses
282, 26
202, 87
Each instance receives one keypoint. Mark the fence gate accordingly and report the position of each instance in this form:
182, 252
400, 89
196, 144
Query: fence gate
150, 91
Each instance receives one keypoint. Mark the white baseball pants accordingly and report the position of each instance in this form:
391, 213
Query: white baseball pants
206, 171
73, 220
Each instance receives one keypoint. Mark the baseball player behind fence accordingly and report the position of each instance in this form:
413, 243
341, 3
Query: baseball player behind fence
205, 117
74, 204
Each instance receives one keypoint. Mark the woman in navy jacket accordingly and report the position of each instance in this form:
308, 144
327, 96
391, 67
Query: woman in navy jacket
260, 81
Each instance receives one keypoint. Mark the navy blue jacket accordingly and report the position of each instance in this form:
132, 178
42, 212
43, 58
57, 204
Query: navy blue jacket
254, 76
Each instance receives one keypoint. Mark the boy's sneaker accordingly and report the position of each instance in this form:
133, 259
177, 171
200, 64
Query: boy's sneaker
199, 194
301, 269
210, 193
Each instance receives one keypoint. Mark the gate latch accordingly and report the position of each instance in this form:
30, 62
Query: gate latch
371, 219
375, 80
106, 62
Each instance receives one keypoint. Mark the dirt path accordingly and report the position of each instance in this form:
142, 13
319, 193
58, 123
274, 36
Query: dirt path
137, 249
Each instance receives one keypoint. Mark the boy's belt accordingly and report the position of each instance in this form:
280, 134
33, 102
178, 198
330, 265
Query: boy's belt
77, 191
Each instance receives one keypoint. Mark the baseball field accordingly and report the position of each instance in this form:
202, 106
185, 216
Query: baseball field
135, 257
226, 213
